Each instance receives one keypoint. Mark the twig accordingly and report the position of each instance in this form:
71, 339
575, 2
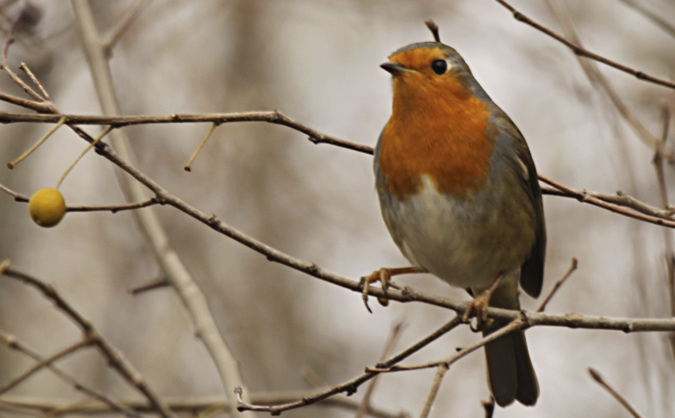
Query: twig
115, 358
153, 284
599, 81
351, 386
559, 283
25, 87
43, 93
598, 378
122, 26
658, 20
113, 208
364, 407
35, 146
619, 199
612, 202
582, 51
663, 193
110, 404
188, 166
586, 197
18, 197
105, 132
271, 116
184, 405
514, 325
433, 392
433, 27
28, 104
85, 342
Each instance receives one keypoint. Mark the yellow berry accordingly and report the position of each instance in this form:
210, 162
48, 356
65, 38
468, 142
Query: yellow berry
47, 207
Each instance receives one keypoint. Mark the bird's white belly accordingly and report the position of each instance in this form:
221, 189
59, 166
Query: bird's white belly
466, 242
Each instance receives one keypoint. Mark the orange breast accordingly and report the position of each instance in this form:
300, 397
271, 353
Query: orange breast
440, 131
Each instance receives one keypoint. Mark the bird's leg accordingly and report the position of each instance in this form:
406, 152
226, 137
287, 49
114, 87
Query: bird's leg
479, 305
384, 276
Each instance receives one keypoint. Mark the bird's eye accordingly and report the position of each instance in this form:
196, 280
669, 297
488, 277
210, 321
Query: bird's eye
439, 66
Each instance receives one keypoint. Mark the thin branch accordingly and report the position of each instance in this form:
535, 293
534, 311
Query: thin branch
612, 202
598, 378
663, 193
364, 407
27, 104
114, 357
156, 283
113, 208
182, 405
656, 18
122, 26
86, 342
514, 325
43, 93
18, 197
433, 391
433, 27
618, 199
25, 87
559, 283
599, 81
112, 405
586, 197
270, 116
582, 51
351, 386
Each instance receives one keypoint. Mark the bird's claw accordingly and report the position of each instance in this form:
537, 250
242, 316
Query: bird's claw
383, 276
478, 307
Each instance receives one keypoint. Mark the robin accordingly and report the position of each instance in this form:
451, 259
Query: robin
459, 194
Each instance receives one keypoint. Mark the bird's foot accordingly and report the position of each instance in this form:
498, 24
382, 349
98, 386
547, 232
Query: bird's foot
384, 276
479, 305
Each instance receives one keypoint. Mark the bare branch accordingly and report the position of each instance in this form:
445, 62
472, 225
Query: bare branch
559, 283
86, 342
272, 116
114, 357
582, 51
433, 27
122, 26
598, 378
364, 407
435, 386
658, 20
585, 197
612, 202
111, 404
514, 325
351, 386
184, 405
599, 81
18, 197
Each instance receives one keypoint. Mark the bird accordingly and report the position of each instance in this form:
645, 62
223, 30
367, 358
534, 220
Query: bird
459, 194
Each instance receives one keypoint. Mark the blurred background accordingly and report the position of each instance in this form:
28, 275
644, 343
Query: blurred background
318, 62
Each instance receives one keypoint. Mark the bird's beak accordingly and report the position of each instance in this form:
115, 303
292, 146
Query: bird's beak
395, 68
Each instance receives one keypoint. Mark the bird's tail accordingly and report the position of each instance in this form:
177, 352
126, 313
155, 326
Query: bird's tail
510, 370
